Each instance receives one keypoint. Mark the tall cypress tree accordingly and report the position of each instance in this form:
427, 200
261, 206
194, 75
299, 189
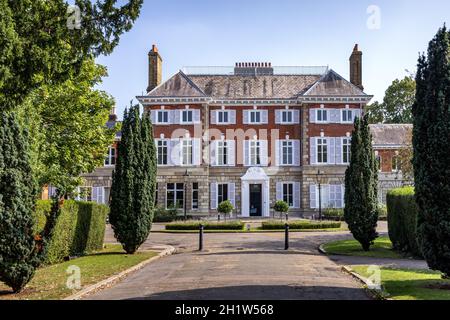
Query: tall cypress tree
134, 182
431, 140
18, 254
361, 180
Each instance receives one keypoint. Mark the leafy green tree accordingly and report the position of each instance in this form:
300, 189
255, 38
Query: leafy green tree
361, 179
431, 140
225, 208
281, 207
134, 182
68, 141
374, 112
39, 44
397, 103
18, 253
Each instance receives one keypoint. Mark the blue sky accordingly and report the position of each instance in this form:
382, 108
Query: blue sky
284, 32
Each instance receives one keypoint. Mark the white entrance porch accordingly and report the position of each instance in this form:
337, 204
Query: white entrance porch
255, 196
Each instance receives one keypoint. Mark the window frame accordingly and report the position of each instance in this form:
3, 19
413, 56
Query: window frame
110, 157
195, 197
190, 155
223, 113
254, 154
162, 111
291, 113
323, 112
343, 111
222, 153
187, 111
348, 144
166, 146
222, 192
286, 196
322, 144
255, 112
176, 191
333, 196
290, 145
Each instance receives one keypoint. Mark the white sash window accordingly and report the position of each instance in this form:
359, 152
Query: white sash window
346, 144
322, 150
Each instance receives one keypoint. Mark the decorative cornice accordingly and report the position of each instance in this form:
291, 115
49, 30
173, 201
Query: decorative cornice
145, 100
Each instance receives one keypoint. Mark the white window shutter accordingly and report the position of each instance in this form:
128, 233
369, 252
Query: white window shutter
296, 116
278, 116
196, 116
153, 116
338, 190
213, 195
339, 150
335, 115
232, 194
312, 196
296, 195
356, 113
196, 150
312, 115
246, 153
325, 192
232, 116
296, 152
313, 150
246, 116
171, 116
331, 150
277, 152
264, 116
213, 119
176, 116
231, 145
279, 191
264, 152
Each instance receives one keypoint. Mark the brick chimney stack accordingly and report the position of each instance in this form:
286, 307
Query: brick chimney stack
356, 67
154, 69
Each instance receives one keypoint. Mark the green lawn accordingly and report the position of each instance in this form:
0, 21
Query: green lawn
381, 249
408, 284
50, 282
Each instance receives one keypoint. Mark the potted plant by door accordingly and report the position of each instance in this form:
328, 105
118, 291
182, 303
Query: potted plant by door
281, 207
225, 208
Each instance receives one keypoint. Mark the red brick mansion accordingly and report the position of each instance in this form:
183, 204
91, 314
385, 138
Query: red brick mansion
253, 134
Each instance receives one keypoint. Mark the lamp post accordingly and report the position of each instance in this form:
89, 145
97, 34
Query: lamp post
186, 176
319, 180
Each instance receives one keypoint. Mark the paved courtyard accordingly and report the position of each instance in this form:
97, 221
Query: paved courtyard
239, 266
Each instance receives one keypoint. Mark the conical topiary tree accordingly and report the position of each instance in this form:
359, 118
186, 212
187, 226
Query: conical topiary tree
431, 140
361, 180
18, 251
134, 182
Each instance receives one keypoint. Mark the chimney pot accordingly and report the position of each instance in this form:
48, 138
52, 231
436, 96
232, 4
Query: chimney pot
356, 67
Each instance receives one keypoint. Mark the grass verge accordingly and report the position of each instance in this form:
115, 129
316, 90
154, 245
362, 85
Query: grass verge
49, 283
382, 248
410, 284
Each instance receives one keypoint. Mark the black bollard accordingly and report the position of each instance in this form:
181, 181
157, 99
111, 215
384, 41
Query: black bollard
286, 236
200, 240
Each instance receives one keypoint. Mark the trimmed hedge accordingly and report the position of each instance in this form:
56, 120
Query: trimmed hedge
79, 229
334, 214
299, 225
402, 220
165, 215
195, 225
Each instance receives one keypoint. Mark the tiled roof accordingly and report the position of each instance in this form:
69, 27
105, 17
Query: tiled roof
255, 87
332, 84
391, 134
